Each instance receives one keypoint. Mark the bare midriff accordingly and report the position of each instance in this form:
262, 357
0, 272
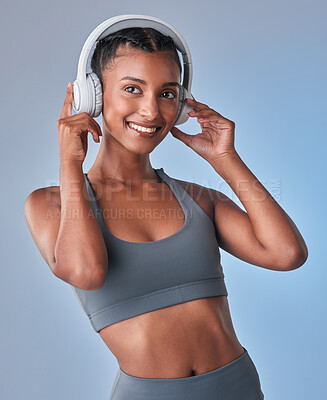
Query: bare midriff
182, 340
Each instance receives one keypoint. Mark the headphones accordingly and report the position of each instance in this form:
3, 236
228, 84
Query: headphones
87, 86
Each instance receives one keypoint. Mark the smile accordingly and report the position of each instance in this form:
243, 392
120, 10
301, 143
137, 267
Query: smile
142, 131
140, 128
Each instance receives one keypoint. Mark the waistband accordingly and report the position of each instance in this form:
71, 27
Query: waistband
238, 379
230, 367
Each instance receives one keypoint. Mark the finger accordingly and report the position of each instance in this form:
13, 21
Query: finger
90, 126
204, 113
67, 107
209, 118
213, 121
97, 130
185, 138
195, 103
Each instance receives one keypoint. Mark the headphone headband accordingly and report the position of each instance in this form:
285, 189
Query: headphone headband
126, 21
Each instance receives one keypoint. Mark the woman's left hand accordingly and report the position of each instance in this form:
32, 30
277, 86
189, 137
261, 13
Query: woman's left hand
217, 137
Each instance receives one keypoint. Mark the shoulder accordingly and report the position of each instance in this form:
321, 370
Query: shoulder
213, 202
42, 209
47, 197
219, 202
203, 195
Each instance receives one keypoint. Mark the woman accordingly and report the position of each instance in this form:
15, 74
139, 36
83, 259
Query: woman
139, 248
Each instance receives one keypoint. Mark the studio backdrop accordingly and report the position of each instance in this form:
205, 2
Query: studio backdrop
260, 64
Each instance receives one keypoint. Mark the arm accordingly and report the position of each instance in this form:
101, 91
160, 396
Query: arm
80, 242
69, 238
264, 235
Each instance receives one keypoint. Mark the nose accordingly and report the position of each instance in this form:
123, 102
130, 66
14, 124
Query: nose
149, 108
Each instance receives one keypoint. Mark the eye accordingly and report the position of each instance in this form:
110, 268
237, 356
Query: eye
174, 95
128, 87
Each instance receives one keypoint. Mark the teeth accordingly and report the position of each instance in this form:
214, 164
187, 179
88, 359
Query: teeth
142, 128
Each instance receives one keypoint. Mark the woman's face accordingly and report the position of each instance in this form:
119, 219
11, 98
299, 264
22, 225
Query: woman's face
143, 89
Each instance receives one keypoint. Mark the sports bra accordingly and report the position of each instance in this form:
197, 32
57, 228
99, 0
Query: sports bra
147, 276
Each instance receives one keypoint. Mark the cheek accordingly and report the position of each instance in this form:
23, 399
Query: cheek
169, 111
116, 109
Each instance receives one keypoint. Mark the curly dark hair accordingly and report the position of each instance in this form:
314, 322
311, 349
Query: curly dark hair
147, 39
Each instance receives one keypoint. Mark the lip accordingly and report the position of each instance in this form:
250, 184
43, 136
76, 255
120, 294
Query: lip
144, 124
143, 134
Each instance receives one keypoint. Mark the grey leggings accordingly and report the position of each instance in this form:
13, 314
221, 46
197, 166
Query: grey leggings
238, 380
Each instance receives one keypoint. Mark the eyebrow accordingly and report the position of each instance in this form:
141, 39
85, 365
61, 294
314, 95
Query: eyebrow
131, 78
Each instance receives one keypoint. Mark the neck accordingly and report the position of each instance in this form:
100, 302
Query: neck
114, 161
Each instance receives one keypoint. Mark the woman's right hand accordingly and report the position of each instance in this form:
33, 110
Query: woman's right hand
73, 131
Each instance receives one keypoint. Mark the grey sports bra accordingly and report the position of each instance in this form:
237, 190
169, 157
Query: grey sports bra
147, 276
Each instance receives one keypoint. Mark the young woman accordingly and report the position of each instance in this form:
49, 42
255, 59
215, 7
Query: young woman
141, 249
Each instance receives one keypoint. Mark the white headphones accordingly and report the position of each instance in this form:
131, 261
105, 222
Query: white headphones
87, 86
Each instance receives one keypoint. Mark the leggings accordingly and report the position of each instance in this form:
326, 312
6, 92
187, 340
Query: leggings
238, 380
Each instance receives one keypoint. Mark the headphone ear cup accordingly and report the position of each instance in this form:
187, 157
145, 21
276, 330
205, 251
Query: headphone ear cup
181, 97
183, 108
94, 89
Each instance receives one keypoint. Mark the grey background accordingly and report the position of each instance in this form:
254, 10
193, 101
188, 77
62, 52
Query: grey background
261, 64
